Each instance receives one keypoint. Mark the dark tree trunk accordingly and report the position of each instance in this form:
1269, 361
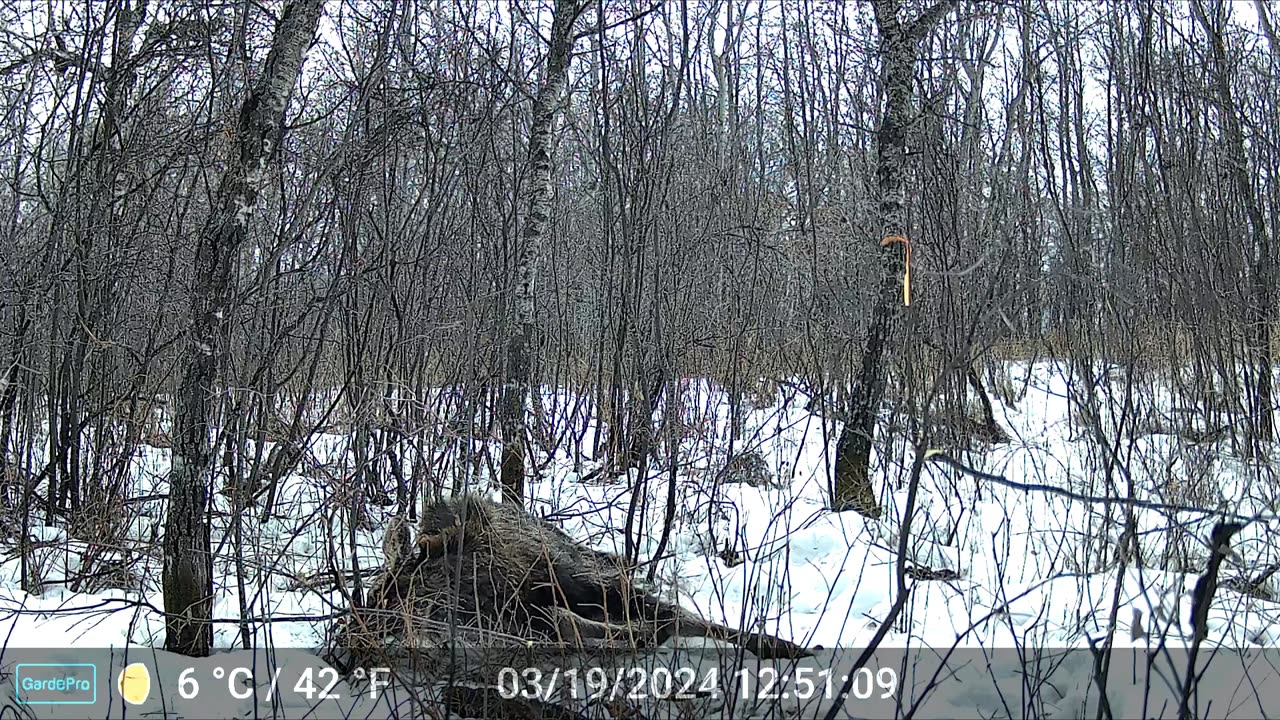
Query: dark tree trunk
1258, 319
852, 488
546, 109
188, 588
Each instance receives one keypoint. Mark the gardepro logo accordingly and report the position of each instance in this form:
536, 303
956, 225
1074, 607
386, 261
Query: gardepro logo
56, 683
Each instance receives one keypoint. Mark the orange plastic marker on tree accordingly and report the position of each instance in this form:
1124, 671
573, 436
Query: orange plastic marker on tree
906, 275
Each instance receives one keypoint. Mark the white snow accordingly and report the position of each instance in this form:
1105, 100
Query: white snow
1033, 569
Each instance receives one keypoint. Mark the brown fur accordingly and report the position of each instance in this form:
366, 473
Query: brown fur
487, 568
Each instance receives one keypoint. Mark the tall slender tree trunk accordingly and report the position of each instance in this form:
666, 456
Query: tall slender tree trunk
546, 110
1258, 330
188, 588
852, 488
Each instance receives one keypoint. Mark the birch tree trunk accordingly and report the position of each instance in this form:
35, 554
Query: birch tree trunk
852, 488
188, 588
546, 110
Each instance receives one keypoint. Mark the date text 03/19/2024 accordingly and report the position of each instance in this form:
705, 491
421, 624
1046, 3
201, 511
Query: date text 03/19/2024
687, 683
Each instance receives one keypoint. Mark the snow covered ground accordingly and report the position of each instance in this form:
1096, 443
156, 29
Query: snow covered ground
1027, 568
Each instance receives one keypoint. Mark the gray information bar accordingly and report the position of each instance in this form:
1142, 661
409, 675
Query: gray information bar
665, 683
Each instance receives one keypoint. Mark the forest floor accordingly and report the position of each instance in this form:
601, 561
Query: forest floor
1018, 567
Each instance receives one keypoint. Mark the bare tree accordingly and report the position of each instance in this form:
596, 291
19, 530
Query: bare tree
1258, 316
898, 52
546, 110
188, 589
